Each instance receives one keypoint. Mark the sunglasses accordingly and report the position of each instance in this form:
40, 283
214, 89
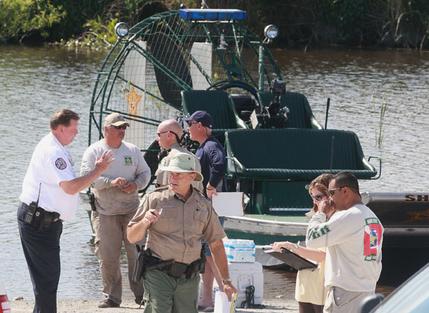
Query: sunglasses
120, 127
332, 191
160, 133
318, 197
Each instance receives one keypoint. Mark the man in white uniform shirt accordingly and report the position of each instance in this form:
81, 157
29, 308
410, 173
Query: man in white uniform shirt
116, 202
353, 237
49, 196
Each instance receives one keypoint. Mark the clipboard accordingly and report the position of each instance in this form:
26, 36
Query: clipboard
292, 259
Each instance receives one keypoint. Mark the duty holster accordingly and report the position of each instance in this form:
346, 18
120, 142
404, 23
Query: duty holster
38, 217
92, 201
146, 261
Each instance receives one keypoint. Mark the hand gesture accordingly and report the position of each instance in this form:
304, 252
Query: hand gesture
129, 187
104, 161
151, 217
119, 182
325, 205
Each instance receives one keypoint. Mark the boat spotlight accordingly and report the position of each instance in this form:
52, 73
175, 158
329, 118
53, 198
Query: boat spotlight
121, 29
271, 32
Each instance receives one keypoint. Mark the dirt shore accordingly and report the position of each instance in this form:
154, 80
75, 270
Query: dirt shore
90, 306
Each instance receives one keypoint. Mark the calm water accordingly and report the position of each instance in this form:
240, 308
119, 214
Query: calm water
34, 82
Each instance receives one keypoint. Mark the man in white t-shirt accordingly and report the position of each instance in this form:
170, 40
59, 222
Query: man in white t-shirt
116, 201
353, 237
49, 196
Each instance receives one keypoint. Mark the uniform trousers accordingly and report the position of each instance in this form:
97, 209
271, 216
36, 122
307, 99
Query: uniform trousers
164, 293
42, 253
110, 233
339, 300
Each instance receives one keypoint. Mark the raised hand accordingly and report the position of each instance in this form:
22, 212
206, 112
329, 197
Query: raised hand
104, 161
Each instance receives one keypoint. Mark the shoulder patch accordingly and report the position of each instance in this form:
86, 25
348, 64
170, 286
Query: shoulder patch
60, 164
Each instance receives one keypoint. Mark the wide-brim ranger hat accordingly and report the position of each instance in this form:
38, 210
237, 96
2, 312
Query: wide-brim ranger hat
183, 163
115, 119
201, 117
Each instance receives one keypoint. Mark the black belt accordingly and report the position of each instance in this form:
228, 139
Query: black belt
40, 217
172, 268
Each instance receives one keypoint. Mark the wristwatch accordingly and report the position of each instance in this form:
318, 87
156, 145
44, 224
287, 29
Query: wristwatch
226, 281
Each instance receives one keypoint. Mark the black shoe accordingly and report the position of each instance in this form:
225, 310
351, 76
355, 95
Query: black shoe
108, 304
139, 300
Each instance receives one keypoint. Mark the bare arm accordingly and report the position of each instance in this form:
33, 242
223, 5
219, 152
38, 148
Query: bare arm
219, 257
307, 253
77, 184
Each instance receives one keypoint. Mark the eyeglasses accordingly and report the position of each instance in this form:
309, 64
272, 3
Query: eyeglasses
120, 127
332, 191
192, 122
160, 133
318, 197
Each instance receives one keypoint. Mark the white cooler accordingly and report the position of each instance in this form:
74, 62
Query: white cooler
247, 274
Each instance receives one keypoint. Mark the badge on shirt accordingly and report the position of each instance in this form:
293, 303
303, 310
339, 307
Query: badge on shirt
60, 164
128, 161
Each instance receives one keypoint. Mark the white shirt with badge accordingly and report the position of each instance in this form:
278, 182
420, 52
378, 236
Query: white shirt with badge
50, 164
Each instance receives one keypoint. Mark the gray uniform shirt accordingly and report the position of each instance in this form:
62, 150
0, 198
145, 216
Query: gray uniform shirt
129, 164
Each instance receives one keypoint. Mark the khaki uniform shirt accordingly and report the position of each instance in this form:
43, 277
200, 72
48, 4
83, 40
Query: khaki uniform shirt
162, 177
181, 226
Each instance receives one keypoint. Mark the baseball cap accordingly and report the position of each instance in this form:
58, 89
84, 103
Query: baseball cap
202, 117
182, 163
115, 119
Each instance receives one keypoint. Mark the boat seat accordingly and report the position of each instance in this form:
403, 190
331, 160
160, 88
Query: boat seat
294, 154
300, 113
217, 103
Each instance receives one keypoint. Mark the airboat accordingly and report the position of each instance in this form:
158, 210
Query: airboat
176, 62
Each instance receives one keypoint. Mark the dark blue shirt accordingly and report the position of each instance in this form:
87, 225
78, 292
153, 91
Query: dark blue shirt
212, 157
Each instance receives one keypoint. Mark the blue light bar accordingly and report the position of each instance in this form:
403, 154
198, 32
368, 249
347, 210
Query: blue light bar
212, 14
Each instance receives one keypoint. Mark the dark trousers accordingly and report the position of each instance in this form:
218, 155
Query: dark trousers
305, 307
42, 253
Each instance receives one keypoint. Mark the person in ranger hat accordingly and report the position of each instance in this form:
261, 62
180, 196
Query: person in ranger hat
116, 201
169, 134
176, 218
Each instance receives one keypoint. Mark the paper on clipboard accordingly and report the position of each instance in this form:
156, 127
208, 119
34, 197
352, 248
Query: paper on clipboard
228, 203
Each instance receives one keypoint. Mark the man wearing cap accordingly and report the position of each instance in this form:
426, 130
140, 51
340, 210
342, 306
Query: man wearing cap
212, 157
116, 201
211, 153
169, 133
49, 197
176, 218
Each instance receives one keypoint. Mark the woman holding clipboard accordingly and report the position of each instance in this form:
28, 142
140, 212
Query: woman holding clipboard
310, 290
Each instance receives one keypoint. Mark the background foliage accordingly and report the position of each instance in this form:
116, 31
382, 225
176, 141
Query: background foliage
303, 23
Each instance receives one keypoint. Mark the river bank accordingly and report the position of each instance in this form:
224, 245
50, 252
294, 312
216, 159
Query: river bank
90, 306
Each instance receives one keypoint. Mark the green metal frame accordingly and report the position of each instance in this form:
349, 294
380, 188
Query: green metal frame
182, 34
